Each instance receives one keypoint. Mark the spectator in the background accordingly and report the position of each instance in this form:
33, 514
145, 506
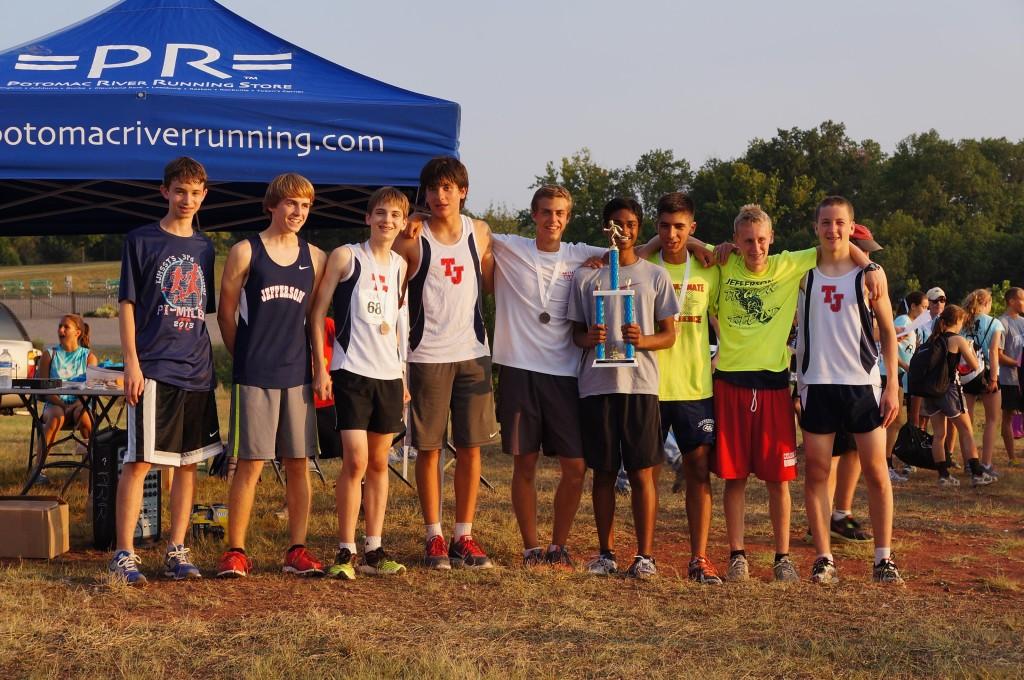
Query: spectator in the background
328, 437
67, 360
907, 341
1010, 359
987, 335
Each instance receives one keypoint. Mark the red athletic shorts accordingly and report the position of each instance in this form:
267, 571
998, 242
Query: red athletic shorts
756, 433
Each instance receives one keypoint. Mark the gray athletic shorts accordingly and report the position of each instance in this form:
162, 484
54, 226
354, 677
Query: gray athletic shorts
463, 388
269, 423
951, 404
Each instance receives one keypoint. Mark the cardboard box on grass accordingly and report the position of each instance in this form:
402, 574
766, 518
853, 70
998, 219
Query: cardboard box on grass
34, 526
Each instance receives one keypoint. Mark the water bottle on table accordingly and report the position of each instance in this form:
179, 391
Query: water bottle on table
6, 370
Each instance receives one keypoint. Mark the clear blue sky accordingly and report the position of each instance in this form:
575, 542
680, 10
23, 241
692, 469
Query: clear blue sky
539, 80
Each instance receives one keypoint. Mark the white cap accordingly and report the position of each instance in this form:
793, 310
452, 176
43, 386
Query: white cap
935, 293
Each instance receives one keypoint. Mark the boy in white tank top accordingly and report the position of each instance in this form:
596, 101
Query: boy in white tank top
840, 387
364, 281
449, 359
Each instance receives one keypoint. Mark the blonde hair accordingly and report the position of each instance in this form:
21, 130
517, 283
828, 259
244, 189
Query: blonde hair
388, 195
288, 185
973, 303
751, 213
550, 191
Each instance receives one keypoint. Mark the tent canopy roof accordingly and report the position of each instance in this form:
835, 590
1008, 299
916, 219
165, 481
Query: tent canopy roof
93, 113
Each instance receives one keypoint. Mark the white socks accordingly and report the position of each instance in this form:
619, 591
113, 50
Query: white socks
371, 543
463, 529
882, 554
433, 530
839, 515
351, 547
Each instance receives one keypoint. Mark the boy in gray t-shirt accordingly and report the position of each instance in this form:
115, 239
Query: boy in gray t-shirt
1010, 360
619, 414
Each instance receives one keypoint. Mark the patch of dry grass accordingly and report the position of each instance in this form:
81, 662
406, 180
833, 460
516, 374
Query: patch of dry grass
66, 619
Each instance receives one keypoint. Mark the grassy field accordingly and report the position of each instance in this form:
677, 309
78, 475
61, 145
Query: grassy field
81, 273
959, 615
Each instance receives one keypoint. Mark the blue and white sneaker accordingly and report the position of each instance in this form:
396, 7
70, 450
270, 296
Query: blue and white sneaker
177, 564
125, 566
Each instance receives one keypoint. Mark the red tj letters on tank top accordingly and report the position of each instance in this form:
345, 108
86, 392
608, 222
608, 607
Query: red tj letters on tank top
452, 271
832, 298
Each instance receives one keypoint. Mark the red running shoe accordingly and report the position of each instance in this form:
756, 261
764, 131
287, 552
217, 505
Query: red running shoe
234, 564
436, 554
467, 553
301, 562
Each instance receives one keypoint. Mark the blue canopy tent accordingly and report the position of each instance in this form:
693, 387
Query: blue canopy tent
90, 115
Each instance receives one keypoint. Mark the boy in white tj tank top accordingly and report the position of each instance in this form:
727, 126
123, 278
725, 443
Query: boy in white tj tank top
449, 358
840, 386
364, 282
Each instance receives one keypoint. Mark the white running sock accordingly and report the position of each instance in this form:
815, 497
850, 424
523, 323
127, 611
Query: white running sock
371, 543
433, 530
828, 556
552, 547
839, 515
463, 529
882, 554
351, 547
526, 553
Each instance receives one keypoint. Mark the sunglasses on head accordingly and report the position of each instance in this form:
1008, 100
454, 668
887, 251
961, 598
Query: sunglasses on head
941, 298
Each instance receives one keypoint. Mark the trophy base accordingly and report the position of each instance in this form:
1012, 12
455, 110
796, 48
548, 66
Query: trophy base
613, 363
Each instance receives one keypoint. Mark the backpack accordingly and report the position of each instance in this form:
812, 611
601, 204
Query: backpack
928, 375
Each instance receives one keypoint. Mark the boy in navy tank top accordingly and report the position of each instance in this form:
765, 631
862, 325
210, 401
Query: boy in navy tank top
840, 386
166, 292
449, 357
266, 292
364, 283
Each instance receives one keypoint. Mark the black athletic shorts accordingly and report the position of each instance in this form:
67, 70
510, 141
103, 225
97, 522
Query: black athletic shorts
172, 426
362, 403
1011, 398
538, 412
621, 429
843, 443
692, 422
326, 432
826, 409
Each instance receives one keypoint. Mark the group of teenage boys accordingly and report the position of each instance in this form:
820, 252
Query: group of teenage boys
552, 398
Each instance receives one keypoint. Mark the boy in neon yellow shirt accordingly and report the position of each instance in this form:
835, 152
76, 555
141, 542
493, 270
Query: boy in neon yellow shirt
684, 370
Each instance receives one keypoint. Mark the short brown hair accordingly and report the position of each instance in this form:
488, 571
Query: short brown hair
1012, 293
184, 169
751, 213
288, 185
444, 168
675, 202
388, 195
829, 201
550, 191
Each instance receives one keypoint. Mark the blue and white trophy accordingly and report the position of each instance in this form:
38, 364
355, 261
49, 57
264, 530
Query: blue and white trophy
615, 351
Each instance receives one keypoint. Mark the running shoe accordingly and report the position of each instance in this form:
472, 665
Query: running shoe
886, 572
702, 571
896, 478
343, 567
908, 470
848, 530
177, 564
233, 564
125, 566
468, 554
950, 482
738, 569
824, 571
603, 565
436, 554
642, 567
559, 559
984, 479
622, 486
379, 563
534, 557
991, 470
301, 562
785, 571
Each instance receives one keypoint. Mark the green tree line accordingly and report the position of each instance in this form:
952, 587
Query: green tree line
948, 213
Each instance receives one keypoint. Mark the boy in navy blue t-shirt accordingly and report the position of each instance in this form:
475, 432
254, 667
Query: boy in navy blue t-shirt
166, 293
